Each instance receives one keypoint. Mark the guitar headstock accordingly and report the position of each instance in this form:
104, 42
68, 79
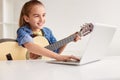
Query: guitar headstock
86, 29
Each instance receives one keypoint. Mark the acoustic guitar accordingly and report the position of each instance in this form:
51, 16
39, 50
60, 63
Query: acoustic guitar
9, 48
42, 41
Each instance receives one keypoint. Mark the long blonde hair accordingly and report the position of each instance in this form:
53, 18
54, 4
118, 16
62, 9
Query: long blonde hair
26, 10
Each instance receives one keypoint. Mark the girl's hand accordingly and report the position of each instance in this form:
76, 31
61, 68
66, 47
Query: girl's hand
67, 58
77, 37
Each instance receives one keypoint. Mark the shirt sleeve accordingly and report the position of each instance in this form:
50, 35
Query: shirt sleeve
23, 37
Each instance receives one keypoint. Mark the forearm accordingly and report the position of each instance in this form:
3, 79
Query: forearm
61, 49
36, 49
75, 40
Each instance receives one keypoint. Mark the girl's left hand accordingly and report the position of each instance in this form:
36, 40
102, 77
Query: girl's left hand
77, 37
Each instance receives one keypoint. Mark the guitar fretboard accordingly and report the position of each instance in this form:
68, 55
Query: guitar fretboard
60, 43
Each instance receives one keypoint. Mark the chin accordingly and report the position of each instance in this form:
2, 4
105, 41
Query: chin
39, 26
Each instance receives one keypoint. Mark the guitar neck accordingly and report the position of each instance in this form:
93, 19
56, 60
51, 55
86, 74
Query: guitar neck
61, 43
86, 29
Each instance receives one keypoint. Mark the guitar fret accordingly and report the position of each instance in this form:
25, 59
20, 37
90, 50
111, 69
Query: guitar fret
60, 43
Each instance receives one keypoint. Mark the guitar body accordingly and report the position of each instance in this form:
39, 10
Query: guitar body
41, 41
17, 52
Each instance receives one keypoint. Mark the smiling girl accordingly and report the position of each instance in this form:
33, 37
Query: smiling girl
32, 20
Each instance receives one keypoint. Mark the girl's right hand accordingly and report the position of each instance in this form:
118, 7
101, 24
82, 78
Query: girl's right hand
67, 58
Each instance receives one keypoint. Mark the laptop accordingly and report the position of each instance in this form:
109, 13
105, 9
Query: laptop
97, 45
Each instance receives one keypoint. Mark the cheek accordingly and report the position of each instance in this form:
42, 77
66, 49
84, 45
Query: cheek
44, 21
33, 21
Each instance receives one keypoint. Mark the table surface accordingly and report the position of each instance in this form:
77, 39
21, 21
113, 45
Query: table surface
106, 69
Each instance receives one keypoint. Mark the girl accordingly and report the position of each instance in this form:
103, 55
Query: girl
32, 19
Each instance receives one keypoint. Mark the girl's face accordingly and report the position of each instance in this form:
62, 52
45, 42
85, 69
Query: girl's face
36, 18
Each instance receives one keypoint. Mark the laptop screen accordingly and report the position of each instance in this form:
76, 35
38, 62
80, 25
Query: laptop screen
98, 42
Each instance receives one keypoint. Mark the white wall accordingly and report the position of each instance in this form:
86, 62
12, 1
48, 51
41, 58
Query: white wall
64, 17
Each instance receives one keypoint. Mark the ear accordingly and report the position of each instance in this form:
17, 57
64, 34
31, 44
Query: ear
26, 18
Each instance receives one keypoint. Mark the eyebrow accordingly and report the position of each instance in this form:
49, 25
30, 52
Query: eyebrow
35, 14
38, 14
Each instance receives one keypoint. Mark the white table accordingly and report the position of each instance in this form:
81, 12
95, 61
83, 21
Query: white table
106, 69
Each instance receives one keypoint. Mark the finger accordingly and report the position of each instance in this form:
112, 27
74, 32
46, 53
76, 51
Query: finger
75, 58
77, 38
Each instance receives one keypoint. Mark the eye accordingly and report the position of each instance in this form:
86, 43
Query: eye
44, 15
36, 15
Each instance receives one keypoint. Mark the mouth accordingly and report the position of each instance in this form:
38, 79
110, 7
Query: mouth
40, 24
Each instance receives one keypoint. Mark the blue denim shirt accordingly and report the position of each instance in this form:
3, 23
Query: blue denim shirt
24, 35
